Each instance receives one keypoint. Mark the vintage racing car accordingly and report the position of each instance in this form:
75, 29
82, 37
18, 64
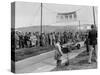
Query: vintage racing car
72, 46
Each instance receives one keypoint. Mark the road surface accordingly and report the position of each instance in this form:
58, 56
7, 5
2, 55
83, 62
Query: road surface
42, 63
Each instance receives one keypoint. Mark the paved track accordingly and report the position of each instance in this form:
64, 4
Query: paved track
43, 62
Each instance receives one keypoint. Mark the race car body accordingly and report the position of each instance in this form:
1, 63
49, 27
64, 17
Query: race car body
72, 46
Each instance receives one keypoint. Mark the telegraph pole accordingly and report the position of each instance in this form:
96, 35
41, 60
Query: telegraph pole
79, 25
41, 17
94, 15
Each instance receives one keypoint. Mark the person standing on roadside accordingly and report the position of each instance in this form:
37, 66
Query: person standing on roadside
92, 37
87, 42
58, 53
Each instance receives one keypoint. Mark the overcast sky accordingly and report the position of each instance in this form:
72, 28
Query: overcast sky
28, 13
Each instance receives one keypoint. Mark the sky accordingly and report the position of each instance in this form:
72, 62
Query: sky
29, 13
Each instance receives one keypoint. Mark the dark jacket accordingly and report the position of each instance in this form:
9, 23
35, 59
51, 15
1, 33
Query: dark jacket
92, 37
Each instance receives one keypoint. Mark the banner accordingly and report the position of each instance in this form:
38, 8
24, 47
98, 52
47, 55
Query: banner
66, 17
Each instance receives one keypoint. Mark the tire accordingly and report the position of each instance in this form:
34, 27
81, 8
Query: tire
78, 46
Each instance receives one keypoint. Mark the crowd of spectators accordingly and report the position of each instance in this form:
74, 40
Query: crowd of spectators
36, 39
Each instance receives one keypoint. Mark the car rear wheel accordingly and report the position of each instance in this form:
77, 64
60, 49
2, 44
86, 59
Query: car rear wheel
78, 46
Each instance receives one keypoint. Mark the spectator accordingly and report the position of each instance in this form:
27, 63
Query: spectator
92, 42
33, 40
58, 53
